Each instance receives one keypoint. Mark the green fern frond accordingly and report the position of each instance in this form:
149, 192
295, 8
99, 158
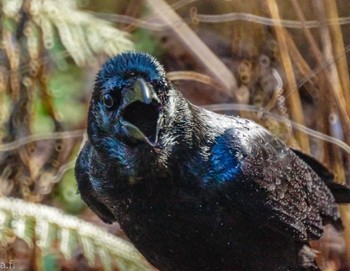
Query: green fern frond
83, 35
43, 226
23, 227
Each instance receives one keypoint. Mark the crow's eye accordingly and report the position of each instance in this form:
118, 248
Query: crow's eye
108, 101
157, 84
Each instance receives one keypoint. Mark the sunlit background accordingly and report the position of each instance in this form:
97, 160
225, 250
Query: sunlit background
282, 63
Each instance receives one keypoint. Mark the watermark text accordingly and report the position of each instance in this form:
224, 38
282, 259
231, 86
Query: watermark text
7, 265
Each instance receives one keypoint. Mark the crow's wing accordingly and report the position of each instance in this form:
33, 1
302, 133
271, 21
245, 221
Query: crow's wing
88, 184
341, 192
271, 184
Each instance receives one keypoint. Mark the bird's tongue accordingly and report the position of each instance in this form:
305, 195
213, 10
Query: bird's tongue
142, 121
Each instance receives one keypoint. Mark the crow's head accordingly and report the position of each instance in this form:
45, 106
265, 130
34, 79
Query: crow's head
130, 100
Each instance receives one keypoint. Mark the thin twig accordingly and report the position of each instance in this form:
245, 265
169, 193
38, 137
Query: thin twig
36, 137
217, 18
190, 75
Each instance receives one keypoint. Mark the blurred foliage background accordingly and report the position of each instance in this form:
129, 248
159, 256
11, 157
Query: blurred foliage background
281, 63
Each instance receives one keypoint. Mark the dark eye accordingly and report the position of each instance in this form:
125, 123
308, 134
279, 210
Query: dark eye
108, 101
157, 84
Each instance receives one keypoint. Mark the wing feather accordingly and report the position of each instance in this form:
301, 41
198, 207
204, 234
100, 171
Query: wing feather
274, 185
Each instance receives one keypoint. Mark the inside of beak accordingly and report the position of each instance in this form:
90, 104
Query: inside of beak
144, 117
142, 113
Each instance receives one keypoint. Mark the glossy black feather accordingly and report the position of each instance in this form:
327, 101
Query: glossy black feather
339, 191
213, 193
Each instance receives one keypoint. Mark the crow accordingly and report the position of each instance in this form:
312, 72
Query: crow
196, 190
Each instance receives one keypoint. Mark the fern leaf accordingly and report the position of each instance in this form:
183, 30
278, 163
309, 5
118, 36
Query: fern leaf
46, 235
50, 225
83, 35
106, 259
68, 242
7, 236
23, 227
88, 249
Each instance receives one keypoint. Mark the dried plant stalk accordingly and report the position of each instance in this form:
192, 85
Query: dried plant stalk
195, 76
336, 161
194, 44
327, 49
301, 65
334, 91
293, 98
311, 81
339, 50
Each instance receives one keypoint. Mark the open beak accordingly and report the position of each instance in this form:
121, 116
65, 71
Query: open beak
141, 113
